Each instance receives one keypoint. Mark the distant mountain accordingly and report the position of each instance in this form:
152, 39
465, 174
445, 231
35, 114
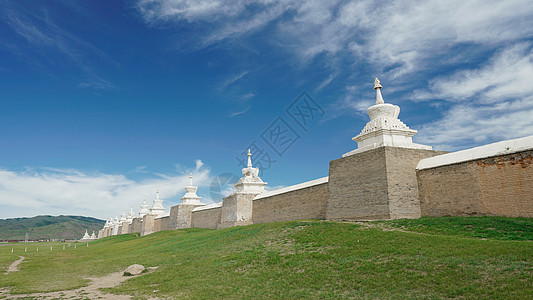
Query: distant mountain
48, 227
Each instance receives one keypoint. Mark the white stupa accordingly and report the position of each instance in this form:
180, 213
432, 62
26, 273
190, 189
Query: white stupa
250, 183
131, 215
157, 209
384, 128
144, 209
93, 236
122, 218
190, 197
86, 236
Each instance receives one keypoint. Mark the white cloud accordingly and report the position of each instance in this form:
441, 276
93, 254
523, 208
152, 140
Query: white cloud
397, 40
233, 79
405, 34
493, 102
59, 191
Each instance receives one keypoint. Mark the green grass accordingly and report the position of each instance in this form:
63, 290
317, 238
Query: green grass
500, 228
300, 259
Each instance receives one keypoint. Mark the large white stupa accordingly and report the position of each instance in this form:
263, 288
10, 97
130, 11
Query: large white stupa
384, 128
250, 183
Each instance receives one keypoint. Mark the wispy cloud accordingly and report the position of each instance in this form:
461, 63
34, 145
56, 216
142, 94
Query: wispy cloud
402, 34
43, 36
326, 82
238, 113
232, 79
97, 84
400, 40
64, 191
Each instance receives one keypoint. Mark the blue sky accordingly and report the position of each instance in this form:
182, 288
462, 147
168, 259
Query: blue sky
103, 102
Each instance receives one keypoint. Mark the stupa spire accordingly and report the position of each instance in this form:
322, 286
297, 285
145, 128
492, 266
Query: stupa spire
249, 159
190, 179
378, 87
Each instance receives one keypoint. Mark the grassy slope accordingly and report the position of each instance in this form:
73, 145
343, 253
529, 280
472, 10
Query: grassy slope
48, 227
291, 260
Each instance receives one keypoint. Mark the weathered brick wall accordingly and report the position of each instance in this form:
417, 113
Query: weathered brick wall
157, 225
375, 184
236, 210
306, 203
357, 187
162, 223
207, 218
136, 225
125, 227
500, 185
147, 225
181, 216
401, 180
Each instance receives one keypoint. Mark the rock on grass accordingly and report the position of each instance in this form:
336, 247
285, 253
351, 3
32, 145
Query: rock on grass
133, 270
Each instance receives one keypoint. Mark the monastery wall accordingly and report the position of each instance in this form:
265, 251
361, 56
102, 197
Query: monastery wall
491, 180
161, 223
402, 185
358, 187
207, 216
376, 184
302, 201
148, 225
136, 225
386, 177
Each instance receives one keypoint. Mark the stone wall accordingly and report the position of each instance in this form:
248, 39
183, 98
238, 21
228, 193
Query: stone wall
181, 216
148, 224
493, 186
305, 201
125, 227
382, 183
236, 210
136, 225
402, 185
163, 223
206, 217
376, 184
358, 187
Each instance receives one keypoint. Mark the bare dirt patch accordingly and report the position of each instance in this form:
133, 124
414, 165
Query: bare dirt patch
92, 291
14, 267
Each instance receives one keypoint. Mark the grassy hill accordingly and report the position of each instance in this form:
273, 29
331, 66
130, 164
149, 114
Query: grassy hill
48, 227
300, 259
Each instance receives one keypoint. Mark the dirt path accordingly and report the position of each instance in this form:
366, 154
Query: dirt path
89, 292
15, 265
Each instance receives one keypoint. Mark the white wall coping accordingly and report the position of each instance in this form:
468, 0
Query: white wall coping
209, 206
163, 216
292, 188
485, 151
